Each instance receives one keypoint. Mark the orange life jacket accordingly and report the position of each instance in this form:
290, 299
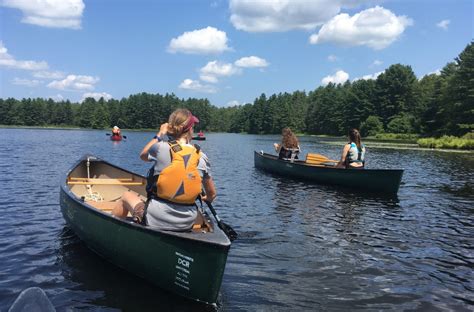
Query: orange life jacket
180, 181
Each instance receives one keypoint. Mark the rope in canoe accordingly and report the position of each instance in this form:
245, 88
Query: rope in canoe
91, 196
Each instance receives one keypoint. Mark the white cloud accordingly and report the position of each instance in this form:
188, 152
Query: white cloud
203, 41
370, 76
284, 15
443, 24
376, 28
208, 78
233, 103
49, 75
96, 96
49, 13
436, 72
194, 85
251, 61
57, 98
214, 69
75, 83
6, 60
339, 77
376, 63
332, 58
26, 82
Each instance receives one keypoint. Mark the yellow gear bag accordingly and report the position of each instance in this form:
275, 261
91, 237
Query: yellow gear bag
180, 182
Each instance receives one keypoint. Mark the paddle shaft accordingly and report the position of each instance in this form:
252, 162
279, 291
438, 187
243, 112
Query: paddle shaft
123, 136
228, 230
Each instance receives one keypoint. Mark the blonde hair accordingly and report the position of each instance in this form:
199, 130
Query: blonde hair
178, 121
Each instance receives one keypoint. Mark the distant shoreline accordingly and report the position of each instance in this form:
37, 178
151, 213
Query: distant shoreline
331, 140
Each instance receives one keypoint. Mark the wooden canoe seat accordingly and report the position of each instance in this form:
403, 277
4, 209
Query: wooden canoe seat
82, 179
105, 206
99, 181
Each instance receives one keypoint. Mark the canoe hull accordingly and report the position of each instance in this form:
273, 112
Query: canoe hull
189, 267
373, 180
199, 138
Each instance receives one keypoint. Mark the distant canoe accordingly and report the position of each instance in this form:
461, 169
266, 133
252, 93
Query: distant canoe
199, 138
374, 180
190, 264
116, 137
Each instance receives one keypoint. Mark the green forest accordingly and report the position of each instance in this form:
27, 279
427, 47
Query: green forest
396, 102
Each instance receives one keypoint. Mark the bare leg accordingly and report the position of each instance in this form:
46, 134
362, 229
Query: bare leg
127, 204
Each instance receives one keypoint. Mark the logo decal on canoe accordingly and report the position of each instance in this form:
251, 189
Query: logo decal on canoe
183, 269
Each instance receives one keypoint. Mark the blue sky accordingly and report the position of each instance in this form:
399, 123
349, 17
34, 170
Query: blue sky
227, 51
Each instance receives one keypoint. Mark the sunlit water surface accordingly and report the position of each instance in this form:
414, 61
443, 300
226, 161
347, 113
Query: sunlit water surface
301, 246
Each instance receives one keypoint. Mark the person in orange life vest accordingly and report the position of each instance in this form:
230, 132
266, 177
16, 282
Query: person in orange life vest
353, 154
171, 199
289, 145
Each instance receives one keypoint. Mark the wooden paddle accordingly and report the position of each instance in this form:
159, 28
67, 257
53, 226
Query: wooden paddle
312, 158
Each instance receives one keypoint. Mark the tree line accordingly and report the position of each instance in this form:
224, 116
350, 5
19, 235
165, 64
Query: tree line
395, 102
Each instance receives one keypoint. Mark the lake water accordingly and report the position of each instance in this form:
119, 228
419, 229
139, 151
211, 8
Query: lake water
301, 246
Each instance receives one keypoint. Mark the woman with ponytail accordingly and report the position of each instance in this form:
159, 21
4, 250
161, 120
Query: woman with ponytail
353, 154
180, 172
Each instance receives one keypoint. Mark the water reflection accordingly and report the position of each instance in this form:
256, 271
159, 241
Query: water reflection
301, 246
109, 287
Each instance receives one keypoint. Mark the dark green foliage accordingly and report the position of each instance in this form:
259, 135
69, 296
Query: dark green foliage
396, 102
402, 123
396, 93
371, 126
460, 90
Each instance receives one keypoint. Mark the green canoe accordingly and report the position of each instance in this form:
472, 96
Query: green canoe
190, 264
374, 180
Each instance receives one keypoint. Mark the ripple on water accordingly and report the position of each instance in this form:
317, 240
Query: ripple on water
301, 246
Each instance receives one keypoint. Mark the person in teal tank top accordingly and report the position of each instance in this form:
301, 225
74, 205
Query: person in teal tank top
353, 154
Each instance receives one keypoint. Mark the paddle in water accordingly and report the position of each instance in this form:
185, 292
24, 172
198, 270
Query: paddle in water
228, 230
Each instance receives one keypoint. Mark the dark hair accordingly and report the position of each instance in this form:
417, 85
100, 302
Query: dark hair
289, 139
354, 136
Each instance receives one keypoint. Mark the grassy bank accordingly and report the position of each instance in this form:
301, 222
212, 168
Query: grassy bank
445, 142
411, 141
449, 142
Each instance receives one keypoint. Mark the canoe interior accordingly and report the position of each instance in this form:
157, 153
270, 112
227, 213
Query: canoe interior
190, 264
101, 186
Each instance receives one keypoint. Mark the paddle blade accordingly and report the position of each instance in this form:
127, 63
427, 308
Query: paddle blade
107, 134
124, 136
229, 231
317, 159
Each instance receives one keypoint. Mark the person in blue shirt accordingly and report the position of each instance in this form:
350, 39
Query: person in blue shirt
353, 154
